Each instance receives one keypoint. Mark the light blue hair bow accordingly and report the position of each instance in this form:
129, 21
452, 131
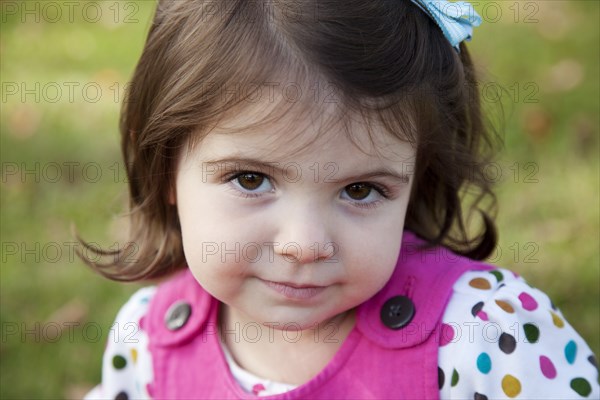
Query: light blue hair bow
456, 19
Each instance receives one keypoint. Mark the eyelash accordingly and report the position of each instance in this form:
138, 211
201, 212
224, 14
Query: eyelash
380, 189
233, 176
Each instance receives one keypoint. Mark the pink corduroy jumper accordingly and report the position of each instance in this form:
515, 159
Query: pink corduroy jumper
374, 361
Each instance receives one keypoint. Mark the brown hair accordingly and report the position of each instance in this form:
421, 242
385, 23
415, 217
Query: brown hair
384, 58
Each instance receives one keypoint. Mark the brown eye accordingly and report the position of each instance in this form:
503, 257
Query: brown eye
358, 191
250, 181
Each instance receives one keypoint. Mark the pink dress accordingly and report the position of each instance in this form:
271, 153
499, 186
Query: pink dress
443, 327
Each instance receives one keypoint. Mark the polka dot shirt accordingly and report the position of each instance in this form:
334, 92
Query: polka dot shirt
504, 339
501, 339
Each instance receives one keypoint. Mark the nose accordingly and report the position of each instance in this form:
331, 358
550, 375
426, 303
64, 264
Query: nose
304, 235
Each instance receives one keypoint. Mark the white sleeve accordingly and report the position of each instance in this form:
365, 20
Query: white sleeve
503, 339
127, 363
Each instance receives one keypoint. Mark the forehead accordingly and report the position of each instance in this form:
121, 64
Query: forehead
270, 132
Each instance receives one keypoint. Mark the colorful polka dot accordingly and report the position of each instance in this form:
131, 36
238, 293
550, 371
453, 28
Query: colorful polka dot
477, 311
134, 355
122, 396
581, 386
557, 321
455, 377
511, 386
528, 302
593, 361
532, 333
507, 343
119, 362
498, 275
505, 306
547, 372
571, 352
484, 363
476, 308
547, 367
480, 283
446, 334
259, 387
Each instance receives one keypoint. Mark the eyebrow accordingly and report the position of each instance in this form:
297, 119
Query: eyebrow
325, 172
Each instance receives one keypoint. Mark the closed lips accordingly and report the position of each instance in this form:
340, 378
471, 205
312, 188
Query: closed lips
295, 291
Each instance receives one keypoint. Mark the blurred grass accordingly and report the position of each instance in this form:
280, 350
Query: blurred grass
548, 187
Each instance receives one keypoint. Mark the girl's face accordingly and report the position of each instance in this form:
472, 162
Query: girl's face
293, 230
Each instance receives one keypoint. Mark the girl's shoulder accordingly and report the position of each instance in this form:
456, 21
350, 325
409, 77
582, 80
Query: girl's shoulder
127, 364
502, 338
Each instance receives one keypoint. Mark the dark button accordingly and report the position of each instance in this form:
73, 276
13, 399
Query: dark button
177, 315
397, 312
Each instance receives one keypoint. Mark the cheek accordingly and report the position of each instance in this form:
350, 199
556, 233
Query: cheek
372, 255
211, 241
378, 262
209, 262
199, 213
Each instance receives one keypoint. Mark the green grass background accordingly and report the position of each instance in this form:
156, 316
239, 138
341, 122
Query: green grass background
544, 53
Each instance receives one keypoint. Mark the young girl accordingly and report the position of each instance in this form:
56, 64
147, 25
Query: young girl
297, 171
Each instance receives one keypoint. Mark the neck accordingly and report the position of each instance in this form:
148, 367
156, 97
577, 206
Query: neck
286, 356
